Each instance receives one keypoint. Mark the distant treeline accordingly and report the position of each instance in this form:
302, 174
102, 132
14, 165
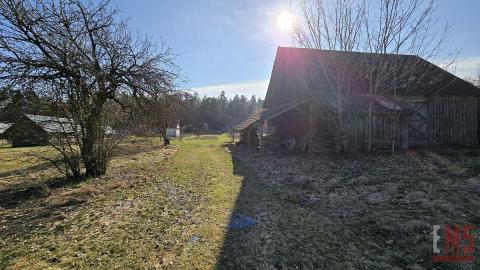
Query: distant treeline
218, 113
195, 114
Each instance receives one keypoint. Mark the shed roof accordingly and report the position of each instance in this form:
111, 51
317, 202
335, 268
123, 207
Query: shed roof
52, 124
265, 114
4, 127
360, 104
299, 72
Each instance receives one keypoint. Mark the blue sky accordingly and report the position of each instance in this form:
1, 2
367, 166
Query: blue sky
230, 44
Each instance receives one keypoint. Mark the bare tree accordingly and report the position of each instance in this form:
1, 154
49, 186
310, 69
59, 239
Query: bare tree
152, 115
399, 27
387, 29
477, 80
80, 55
161, 111
332, 25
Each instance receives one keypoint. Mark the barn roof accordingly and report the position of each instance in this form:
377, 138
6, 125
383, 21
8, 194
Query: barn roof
265, 114
52, 124
4, 127
299, 72
360, 104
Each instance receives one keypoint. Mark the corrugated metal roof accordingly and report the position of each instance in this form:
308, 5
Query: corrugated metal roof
52, 124
4, 126
249, 121
267, 113
360, 104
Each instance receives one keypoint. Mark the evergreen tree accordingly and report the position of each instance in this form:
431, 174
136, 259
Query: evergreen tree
218, 113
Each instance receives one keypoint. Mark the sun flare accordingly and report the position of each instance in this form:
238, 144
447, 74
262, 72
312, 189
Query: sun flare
285, 21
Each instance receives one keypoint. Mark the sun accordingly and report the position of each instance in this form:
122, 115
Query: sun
285, 21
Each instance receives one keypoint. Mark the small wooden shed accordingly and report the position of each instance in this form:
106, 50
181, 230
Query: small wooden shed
31, 130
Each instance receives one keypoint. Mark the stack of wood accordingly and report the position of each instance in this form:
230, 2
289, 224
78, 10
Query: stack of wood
272, 141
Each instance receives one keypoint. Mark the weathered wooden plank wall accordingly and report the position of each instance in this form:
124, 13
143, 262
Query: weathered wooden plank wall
452, 120
449, 120
382, 130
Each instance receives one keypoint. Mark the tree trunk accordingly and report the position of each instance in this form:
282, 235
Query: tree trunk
92, 150
370, 114
369, 138
166, 140
92, 154
342, 140
394, 135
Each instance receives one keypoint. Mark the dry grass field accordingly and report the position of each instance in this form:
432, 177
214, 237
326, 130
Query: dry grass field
170, 208
365, 211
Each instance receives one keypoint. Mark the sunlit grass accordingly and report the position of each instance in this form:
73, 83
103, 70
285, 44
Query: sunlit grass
21, 157
5, 144
156, 208
169, 208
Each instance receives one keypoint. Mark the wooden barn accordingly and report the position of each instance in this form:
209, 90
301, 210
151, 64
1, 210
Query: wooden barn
31, 130
311, 91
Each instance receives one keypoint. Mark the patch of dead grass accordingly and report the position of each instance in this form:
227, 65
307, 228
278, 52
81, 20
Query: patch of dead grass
384, 204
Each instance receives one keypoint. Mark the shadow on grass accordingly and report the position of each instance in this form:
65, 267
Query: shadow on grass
32, 169
378, 215
32, 192
14, 196
26, 208
285, 236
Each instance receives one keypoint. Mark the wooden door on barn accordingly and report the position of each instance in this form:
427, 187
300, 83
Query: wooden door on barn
417, 124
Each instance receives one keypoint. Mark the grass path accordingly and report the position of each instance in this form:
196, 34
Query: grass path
203, 170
